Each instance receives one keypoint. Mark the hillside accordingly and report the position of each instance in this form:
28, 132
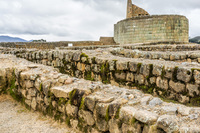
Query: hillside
11, 39
195, 39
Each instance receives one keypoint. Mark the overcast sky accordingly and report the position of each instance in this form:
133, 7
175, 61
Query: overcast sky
59, 20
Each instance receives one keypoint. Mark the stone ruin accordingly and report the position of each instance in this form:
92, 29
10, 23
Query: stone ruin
121, 89
133, 88
134, 11
140, 27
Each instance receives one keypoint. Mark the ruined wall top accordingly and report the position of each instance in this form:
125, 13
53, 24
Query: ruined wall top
134, 11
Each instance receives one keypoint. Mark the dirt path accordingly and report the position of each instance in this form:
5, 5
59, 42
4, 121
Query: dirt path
14, 118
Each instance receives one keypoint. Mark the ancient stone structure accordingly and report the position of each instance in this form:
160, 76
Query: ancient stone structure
134, 11
164, 78
139, 88
139, 27
53, 45
94, 107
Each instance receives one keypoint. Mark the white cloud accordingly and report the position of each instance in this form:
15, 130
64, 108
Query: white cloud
56, 20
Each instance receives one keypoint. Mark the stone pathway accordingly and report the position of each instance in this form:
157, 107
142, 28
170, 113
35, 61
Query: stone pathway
14, 118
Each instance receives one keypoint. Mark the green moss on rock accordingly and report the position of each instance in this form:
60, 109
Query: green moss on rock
82, 103
107, 117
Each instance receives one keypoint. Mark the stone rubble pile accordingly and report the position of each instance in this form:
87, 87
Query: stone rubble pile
92, 106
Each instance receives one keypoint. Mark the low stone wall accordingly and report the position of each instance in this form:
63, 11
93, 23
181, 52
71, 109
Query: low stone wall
92, 106
183, 56
169, 80
169, 47
52, 45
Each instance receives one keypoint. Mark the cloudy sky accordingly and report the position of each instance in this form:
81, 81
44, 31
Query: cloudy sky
59, 20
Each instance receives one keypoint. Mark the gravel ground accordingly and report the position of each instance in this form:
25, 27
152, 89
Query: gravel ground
14, 118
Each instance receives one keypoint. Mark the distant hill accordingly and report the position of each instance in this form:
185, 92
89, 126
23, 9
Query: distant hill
11, 39
195, 39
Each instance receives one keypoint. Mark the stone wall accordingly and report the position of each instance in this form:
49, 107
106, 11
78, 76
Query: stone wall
92, 107
170, 80
178, 56
53, 45
147, 29
162, 47
133, 10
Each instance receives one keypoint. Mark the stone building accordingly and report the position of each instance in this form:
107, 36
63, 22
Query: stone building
141, 27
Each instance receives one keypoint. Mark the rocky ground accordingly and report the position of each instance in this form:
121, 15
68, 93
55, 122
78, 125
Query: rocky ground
15, 118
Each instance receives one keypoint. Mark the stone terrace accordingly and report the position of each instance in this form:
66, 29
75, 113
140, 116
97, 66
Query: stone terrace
143, 91
171, 80
92, 106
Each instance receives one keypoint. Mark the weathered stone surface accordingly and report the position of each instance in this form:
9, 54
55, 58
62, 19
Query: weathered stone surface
184, 74
157, 70
169, 110
168, 123
33, 103
76, 56
192, 89
102, 125
130, 77
101, 109
139, 79
150, 129
135, 128
146, 116
197, 76
69, 81
62, 108
122, 65
28, 102
145, 69
145, 100
127, 113
71, 110
133, 66
169, 72
153, 80
32, 92
93, 130
121, 75
61, 91
155, 101
111, 65
177, 86
183, 99
191, 129
162, 83
114, 126
184, 110
90, 102
87, 117
74, 123
28, 84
